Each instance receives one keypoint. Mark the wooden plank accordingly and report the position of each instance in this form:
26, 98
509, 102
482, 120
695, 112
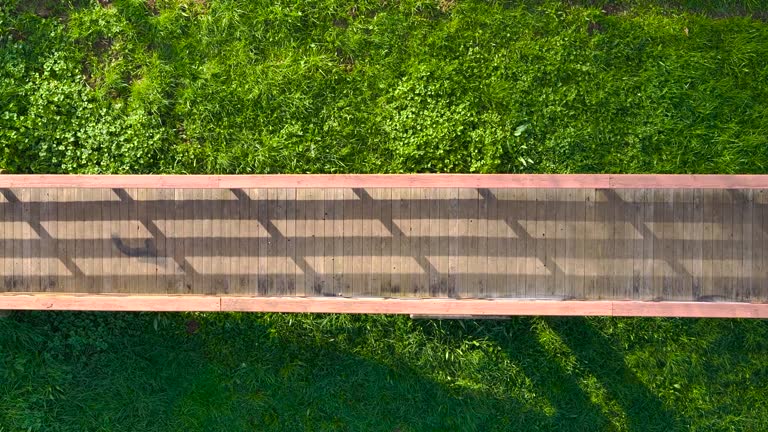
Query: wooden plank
454, 231
760, 246
506, 243
6, 236
272, 253
388, 180
188, 245
737, 208
625, 244
649, 238
745, 283
616, 232
406, 250
195, 243
592, 268
47, 250
105, 234
442, 307
481, 260
144, 278
96, 226
686, 262
636, 209
280, 244
168, 271
539, 238
315, 209
301, 242
467, 251
495, 269
110, 302
418, 280
739, 244
396, 257
729, 249
264, 240
668, 246
335, 211
290, 241
352, 242
696, 242
12, 273
27, 238
577, 219
377, 233
690, 309
381, 306
601, 239
326, 275
275, 253
236, 240
678, 290
531, 212
150, 267
113, 212
624, 234
714, 270
222, 253
9, 241
181, 250
708, 242
77, 249
32, 218
253, 233
426, 229
371, 245
207, 253
442, 218
569, 257
352, 232
686, 181
67, 230
384, 196
518, 218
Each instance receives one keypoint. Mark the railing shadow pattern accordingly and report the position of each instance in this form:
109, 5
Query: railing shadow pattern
645, 244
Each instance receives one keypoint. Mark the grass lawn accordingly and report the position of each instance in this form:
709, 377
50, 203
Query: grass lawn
251, 86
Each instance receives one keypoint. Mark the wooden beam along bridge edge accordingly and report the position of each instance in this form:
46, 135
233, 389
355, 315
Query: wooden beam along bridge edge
432, 307
382, 305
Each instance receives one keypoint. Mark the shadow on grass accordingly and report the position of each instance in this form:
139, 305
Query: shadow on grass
578, 403
86, 371
239, 372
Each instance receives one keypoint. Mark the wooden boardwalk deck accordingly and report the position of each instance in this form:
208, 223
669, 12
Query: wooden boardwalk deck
691, 243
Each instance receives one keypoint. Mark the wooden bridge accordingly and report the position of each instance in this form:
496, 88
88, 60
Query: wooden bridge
420, 244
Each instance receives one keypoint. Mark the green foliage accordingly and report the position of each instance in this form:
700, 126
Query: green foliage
412, 86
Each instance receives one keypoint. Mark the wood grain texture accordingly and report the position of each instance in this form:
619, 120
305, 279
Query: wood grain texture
593, 244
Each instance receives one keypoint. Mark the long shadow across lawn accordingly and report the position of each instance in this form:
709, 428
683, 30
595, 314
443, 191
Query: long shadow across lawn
221, 373
565, 390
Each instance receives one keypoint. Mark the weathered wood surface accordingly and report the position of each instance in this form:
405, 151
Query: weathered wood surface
682, 244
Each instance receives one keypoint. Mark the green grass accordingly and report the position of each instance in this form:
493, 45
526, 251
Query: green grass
98, 371
202, 86
383, 86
